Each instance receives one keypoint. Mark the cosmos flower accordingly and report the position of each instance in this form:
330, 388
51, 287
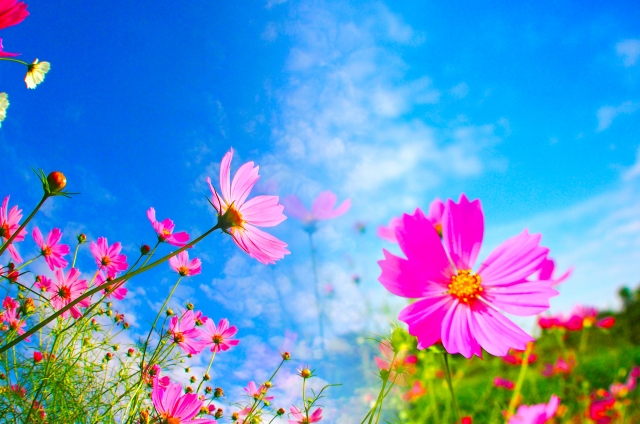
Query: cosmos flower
257, 392
602, 407
401, 366
108, 258
185, 334
165, 232
36, 72
239, 218
4, 99
65, 289
117, 291
12, 12
436, 210
416, 392
43, 283
218, 336
322, 208
52, 251
300, 418
11, 316
536, 414
181, 264
456, 305
175, 407
561, 367
503, 382
9, 223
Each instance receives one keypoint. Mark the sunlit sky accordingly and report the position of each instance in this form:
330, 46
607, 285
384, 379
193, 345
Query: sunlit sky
533, 107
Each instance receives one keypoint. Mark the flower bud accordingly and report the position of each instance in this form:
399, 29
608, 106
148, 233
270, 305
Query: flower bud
208, 389
28, 307
145, 249
125, 325
3, 376
108, 356
280, 411
192, 379
57, 181
189, 389
116, 347
206, 377
218, 392
268, 384
130, 352
144, 417
286, 356
82, 238
109, 312
190, 306
305, 372
234, 416
219, 413
37, 356
169, 312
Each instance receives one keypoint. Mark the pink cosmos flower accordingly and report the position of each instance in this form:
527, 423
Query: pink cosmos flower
185, 334
43, 283
416, 392
52, 251
108, 258
620, 390
561, 367
456, 305
181, 264
174, 407
322, 208
546, 272
219, 337
606, 322
257, 392
10, 221
117, 291
11, 316
580, 317
239, 218
12, 12
536, 414
300, 418
65, 289
436, 211
402, 364
601, 409
165, 232
503, 382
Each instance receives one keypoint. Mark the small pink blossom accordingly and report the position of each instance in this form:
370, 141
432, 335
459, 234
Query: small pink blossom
185, 334
219, 337
299, 417
181, 264
536, 414
65, 289
240, 218
416, 392
561, 367
51, 249
402, 364
43, 283
606, 322
259, 393
116, 290
436, 211
11, 316
175, 407
108, 258
503, 382
322, 208
456, 305
165, 232
9, 223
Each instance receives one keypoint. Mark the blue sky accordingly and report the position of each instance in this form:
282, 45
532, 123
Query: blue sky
531, 107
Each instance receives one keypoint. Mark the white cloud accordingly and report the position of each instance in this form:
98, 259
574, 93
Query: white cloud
629, 50
460, 91
606, 114
634, 171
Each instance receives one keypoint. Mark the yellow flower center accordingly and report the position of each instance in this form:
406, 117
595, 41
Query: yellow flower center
46, 251
166, 232
217, 339
465, 286
178, 338
105, 261
4, 230
230, 218
183, 271
438, 228
64, 292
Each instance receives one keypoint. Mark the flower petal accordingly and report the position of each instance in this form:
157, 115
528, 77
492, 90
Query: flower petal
424, 318
462, 231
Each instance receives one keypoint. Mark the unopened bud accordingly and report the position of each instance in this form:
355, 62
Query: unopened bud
189, 389
145, 249
57, 181
192, 379
305, 373
190, 306
280, 411
206, 377
82, 238
286, 356
28, 306
218, 392
219, 413
108, 356
169, 312
130, 352
109, 312
208, 389
125, 325
116, 347
234, 416
187, 370
268, 385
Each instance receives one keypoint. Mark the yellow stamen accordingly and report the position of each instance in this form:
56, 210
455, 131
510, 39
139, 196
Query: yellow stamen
465, 286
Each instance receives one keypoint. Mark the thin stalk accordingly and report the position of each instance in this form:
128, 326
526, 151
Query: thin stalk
206, 372
26, 221
317, 292
101, 287
584, 337
8, 59
523, 372
453, 395
75, 255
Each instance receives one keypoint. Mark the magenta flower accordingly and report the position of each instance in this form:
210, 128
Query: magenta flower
536, 414
257, 392
547, 269
11, 316
43, 283
52, 251
300, 418
108, 258
181, 264
436, 211
239, 218
12, 12
185, 334
503, 382
10, 222
219, 337
175, 407
117, 291
389, 232
65, 289
322, 208
457, 305
165, 232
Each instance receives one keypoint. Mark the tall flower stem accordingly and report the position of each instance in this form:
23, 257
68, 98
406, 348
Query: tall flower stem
206, 372
584, 337
316, 285
95, 290
26, 221
523, 372
447, 372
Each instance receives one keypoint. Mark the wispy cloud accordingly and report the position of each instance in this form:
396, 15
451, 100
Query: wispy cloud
629, 51
606, 114
634, 171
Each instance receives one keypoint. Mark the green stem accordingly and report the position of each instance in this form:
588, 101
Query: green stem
26, 221
101, 287
453, 396
584, 337
75, 255
523, 372
8, 59
206, 372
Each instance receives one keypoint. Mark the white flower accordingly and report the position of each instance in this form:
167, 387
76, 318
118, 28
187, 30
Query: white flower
36, 72
4, 104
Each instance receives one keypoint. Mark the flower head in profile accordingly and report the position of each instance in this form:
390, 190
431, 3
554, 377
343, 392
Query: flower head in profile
256, 392
185, 334
175, 407
322, 208
4, 99
185, 267
36, 72
108, 257
165, 232
436, 210
300, 417
43, 283
11, 315
239, 217
12, 12
219, 337
9, 223
65, 288
398, 365
456, 304
536, 414
116, 290
51, 249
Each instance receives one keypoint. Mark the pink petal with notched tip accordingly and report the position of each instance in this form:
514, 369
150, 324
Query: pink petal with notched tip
436, 211
424, 318
389, 232
37, 237
260, 245
462, 231
214, 196
243, 182
522, 298
513, 261
495, 332
406, 278
457, 336
263, 211
295, 208
225, 175
322, 206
